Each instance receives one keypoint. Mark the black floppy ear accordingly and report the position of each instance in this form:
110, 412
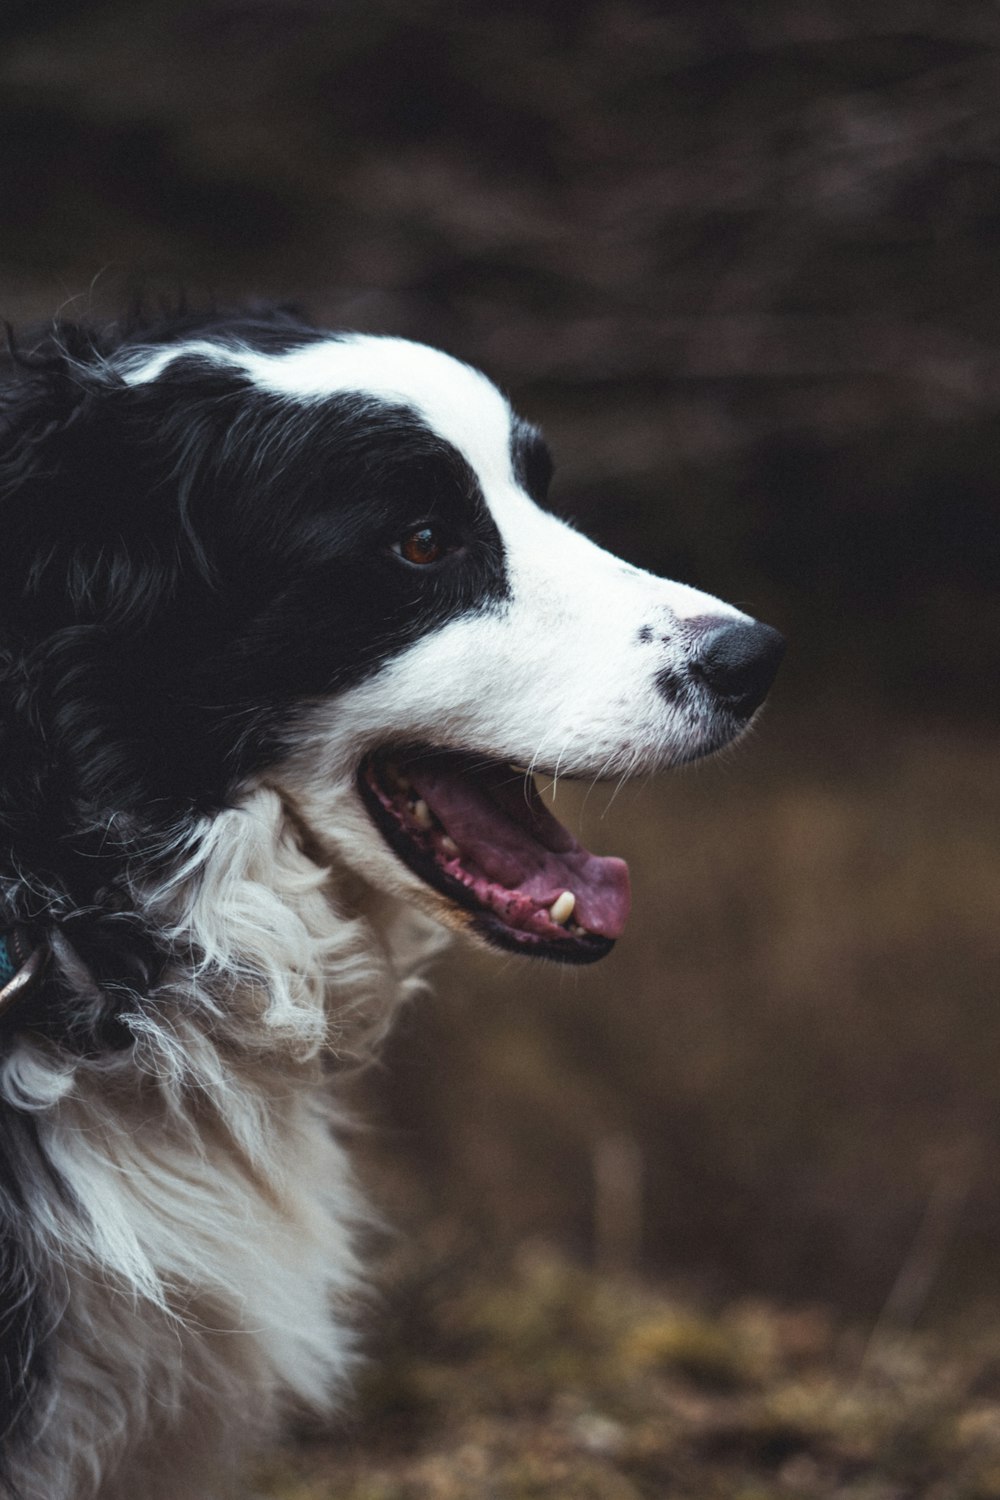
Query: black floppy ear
89, 557
106, 596
92, 495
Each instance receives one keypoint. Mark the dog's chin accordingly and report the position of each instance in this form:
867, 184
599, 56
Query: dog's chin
472, 844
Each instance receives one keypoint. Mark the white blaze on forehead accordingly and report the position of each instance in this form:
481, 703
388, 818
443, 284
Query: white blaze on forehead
456, 401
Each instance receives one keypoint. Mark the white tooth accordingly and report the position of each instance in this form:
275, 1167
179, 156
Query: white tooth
396, 779
448, 847
422, 814
562, 908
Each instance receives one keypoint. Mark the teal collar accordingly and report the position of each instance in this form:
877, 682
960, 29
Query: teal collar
21, 965
8, 964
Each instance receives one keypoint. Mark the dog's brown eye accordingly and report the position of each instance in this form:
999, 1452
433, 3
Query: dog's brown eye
425, 545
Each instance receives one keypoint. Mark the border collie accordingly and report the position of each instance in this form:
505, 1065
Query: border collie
285, 634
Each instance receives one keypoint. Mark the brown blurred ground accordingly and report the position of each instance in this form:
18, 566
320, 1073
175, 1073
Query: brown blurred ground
742, 263
550, 1383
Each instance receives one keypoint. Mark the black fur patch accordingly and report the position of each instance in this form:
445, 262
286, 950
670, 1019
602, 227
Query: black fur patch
671, 684
531, 459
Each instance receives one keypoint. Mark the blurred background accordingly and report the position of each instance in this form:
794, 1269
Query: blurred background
741, 261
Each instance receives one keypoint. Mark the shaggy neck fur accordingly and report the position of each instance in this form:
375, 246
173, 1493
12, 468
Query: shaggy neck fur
195, 1200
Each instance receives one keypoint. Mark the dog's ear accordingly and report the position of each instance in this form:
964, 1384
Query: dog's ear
95, 519
93, 545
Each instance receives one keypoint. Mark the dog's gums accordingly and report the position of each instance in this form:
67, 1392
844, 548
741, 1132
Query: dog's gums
478, 832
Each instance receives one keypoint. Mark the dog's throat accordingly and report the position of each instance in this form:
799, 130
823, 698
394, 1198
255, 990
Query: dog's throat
478, 830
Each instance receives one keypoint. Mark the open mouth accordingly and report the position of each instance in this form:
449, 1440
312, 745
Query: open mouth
478, 832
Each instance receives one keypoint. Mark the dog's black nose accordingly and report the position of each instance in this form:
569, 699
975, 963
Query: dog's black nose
738, 661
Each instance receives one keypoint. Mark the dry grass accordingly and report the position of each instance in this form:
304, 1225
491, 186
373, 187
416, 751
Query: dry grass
549, 1381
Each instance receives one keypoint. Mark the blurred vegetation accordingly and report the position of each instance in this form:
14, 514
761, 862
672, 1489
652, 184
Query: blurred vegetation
542, 1380
741, 261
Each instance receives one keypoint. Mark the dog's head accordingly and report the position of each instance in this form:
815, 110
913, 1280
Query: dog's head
246, 550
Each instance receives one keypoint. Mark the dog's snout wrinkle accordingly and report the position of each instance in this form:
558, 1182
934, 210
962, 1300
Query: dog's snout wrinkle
738, 661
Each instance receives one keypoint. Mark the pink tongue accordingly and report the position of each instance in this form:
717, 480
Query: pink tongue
497, 819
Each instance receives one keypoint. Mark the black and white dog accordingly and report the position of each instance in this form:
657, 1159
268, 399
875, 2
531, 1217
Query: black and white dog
284, 634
